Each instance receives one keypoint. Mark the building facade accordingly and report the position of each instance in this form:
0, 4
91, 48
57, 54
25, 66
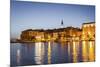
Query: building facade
88, 31
61, 34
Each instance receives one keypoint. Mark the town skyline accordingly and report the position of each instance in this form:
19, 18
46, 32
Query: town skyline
34, 15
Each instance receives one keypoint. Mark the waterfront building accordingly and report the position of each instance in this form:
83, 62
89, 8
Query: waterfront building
55, 36
61, 34
32, 35
88, 31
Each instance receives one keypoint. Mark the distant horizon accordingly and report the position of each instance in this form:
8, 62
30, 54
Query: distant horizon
38, 15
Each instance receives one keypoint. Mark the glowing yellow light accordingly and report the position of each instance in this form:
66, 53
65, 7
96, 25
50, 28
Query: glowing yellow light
91, 51
75, 59
84, 51
39, 52
49, 53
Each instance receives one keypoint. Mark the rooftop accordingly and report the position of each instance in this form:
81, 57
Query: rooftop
89, 23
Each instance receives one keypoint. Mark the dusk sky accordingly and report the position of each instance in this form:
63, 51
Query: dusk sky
35, 15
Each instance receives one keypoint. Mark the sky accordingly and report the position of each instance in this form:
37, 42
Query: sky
36, 15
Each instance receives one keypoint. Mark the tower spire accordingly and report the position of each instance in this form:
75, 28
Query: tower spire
62, 23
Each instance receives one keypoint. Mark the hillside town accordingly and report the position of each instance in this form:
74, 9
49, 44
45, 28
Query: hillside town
86, 32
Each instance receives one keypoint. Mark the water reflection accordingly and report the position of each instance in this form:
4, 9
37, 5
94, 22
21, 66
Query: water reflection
85, 51
69, 48
52, 52
91, 51
69, 51
49, 52
75, 51
88, 50
39, 52
18, 56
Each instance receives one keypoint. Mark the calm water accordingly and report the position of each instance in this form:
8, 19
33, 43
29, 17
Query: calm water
51, 52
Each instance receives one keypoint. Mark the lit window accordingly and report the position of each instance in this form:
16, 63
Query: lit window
88, 25
84, 26
92, 25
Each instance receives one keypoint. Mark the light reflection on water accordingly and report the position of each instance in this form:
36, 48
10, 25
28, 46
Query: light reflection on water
88, 51
91, 51
49, 53
52, 52
18, 56
75, 51
85, 51
39, 52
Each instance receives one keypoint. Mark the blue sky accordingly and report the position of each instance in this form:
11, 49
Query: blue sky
35, 15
